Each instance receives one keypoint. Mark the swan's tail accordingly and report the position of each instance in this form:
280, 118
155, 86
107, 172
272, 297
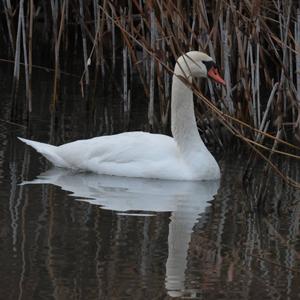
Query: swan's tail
49, 151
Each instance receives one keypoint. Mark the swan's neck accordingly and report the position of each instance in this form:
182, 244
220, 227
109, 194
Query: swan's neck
183, 121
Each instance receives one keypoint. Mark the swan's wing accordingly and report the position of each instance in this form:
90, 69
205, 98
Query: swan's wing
122, 148
128, 154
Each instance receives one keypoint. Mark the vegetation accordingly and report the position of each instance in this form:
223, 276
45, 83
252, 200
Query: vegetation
255, 43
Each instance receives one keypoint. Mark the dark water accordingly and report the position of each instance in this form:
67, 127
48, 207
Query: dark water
83, 236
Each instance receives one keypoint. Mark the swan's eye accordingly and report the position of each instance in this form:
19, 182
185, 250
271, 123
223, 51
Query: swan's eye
209, 64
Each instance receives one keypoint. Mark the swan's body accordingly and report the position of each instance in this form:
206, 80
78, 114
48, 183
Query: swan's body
141, 154
132, 154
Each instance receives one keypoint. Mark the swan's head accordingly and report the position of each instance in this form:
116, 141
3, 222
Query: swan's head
197, 64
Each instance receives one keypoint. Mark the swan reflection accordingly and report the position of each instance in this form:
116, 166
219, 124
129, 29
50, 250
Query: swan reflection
185, 200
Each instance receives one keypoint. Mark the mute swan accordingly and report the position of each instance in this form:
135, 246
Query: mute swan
142, 154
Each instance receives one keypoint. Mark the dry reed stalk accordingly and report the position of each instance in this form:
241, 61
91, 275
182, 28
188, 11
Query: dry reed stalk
42, 68
125, 75
57, 49
84, 43
269, 103
30, 56
152, 70
257, 73
18, 49
133, 55
25, 60
297, 54
226, 54
284, 20
67, 17
8, 15
203, 22
101, 30
113, 41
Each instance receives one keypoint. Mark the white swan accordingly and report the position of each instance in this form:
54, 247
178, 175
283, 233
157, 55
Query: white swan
141, 154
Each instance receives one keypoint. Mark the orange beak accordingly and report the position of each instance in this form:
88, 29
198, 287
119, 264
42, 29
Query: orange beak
214, 74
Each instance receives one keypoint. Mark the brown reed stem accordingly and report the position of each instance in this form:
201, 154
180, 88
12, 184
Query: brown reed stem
57, 64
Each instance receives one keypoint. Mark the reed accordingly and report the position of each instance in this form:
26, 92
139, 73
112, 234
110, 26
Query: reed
256, 44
